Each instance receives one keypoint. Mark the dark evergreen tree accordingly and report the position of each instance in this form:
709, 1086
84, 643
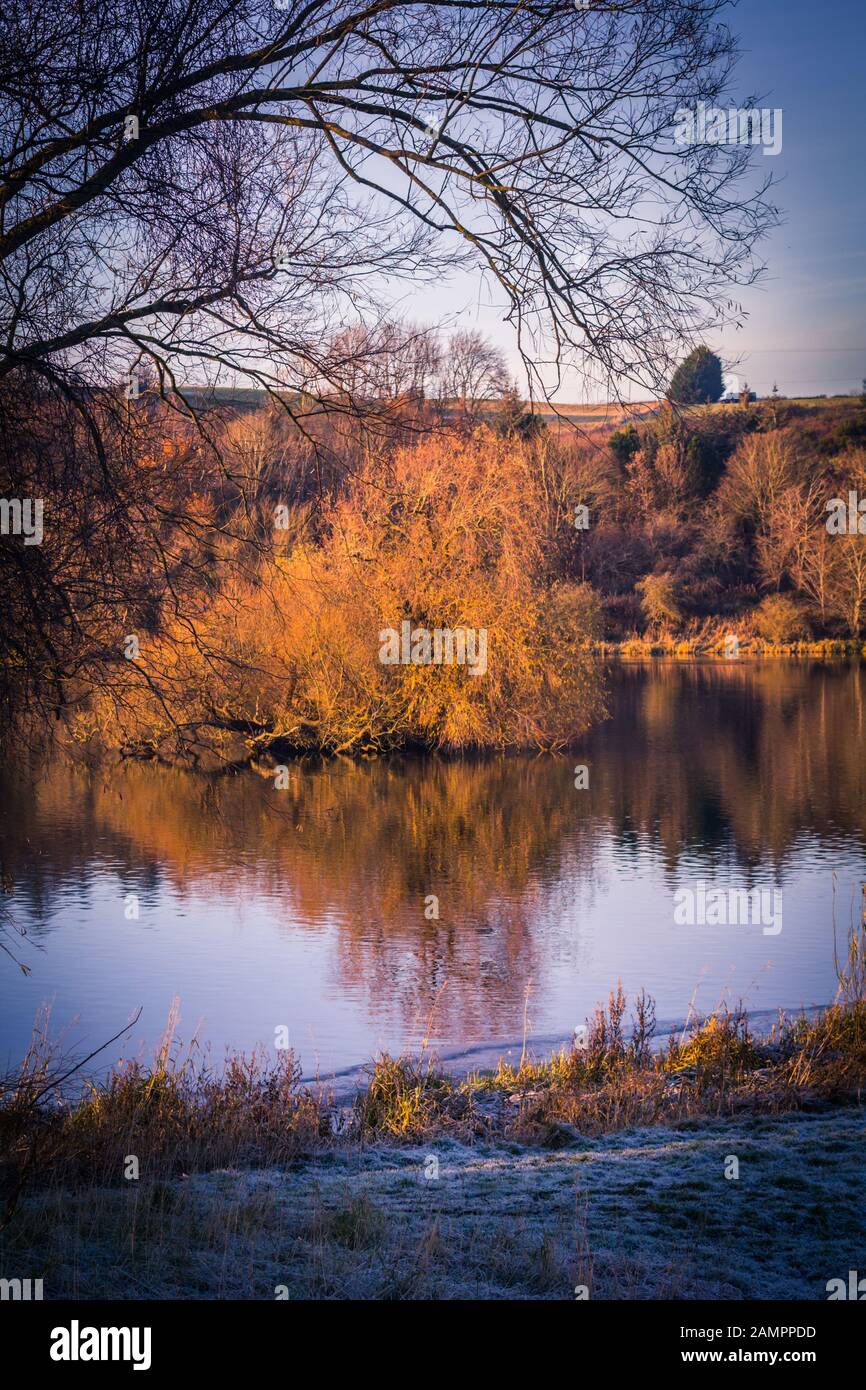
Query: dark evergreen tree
624, 444
698, 379
513, 418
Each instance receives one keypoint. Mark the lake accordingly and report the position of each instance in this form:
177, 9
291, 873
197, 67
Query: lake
312, 907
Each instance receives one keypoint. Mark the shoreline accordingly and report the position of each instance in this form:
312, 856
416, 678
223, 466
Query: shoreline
482, 1059
717, 1164
749, 649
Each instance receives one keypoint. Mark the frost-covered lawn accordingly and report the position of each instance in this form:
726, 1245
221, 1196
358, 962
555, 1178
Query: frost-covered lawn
639, 1214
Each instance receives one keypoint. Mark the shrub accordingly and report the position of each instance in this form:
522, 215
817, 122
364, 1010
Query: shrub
659, 600
778, 619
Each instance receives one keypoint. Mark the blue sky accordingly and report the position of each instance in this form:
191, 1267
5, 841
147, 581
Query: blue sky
806, 328
808, 59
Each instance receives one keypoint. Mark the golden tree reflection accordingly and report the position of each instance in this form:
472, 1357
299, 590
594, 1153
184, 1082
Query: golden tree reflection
734, 762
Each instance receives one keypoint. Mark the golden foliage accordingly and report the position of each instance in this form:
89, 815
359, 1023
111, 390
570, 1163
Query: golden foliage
447, 535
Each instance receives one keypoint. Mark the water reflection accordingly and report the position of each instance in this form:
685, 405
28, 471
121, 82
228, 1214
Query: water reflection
306, 906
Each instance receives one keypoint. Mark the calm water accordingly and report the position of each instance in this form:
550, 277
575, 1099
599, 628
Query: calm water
306, 906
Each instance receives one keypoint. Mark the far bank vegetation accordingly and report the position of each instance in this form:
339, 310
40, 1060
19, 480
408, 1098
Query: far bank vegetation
232, 606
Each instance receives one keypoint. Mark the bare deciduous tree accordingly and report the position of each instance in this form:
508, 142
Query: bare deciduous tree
212, 189
384, 362
207, 183
473, 371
